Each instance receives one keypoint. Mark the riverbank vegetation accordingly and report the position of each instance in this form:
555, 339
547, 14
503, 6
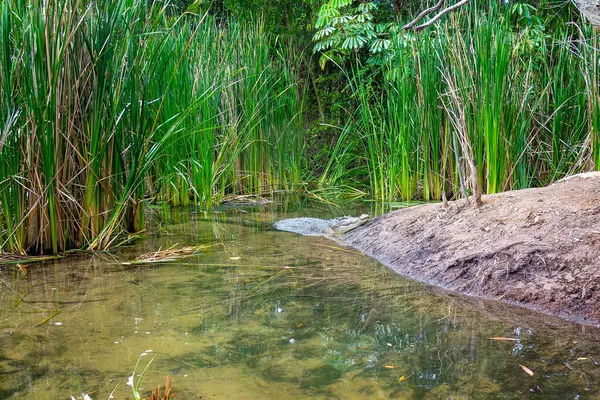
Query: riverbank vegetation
112, 105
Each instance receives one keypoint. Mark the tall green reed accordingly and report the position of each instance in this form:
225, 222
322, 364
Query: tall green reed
109, 105
590, 54
247, 137
528, 103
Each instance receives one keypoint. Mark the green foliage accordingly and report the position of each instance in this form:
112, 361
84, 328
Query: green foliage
344, 29
107, 104
526, 99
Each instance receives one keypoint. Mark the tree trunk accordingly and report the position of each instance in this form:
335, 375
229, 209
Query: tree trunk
397, 7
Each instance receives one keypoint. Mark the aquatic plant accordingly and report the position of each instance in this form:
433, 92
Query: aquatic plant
528, 108
111, 105
108, 105
338, 361
135, 386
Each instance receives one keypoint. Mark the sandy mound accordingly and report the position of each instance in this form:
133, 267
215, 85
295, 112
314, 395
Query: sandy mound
538, 248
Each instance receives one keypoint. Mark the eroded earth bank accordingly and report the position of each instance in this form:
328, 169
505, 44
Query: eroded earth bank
538, 248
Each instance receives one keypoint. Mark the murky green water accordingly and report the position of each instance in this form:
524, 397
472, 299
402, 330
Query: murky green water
272, 315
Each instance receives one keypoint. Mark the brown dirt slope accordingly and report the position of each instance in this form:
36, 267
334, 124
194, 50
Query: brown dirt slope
538, 248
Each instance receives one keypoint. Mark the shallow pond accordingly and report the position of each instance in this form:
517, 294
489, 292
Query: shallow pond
270, 315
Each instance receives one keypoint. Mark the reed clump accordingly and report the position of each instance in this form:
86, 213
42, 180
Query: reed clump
113, 104
522, 91
107, 105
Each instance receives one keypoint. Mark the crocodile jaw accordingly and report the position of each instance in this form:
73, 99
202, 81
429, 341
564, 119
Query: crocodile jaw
345, 227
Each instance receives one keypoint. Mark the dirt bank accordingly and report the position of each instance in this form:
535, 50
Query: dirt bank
538, 248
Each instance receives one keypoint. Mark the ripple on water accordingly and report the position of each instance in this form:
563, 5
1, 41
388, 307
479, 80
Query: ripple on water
232, 322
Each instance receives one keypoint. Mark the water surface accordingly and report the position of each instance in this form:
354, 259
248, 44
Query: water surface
270, 315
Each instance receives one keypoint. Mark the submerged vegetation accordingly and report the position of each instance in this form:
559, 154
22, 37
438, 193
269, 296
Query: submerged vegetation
110, 105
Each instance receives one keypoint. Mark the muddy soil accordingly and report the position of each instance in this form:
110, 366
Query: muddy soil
537, 248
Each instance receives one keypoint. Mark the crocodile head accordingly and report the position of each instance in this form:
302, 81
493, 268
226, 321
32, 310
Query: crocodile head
346, 224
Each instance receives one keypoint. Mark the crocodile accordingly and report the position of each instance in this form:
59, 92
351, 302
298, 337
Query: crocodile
320, 227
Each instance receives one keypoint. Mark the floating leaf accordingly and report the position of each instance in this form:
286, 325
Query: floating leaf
527, 370
234, 258
506, 339
389, 366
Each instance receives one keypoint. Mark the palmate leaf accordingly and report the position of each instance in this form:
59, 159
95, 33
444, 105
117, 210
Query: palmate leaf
343, 27
367, 7
383, 28
360, 18
363, 17
342, 20
324, 45
353, 42
380, 45
368, 29
339, 3
323, 33
325, 15
329, 11
318, 47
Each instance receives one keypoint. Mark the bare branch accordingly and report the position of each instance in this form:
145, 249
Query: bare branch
456, 110
590, 9
441, 14
422, 14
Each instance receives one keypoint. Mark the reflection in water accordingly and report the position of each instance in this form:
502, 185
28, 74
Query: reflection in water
267, 314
